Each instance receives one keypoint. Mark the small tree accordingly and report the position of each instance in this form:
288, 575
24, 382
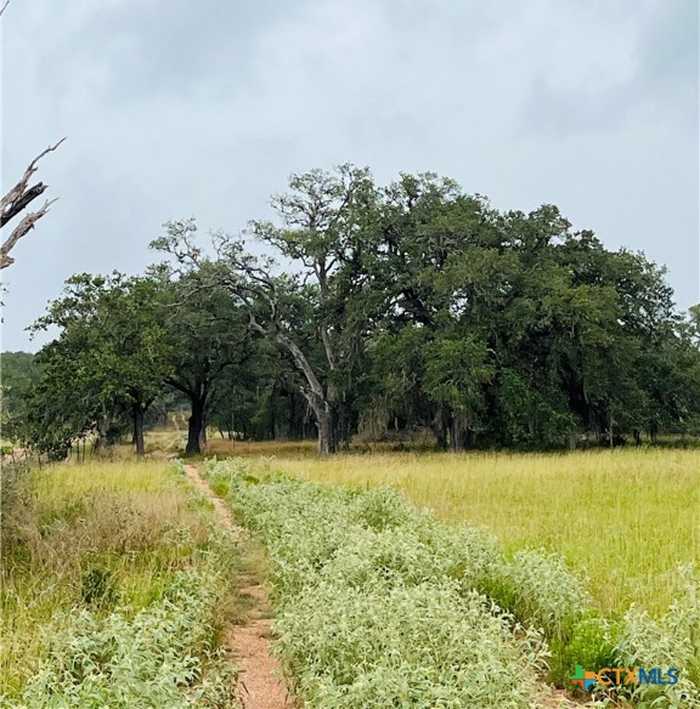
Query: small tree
113, 349
206, 330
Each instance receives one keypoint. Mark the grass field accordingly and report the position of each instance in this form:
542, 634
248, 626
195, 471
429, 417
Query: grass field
624, 518
114, 585
381, 605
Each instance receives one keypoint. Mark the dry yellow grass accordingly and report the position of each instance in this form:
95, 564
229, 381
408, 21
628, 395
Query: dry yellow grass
138, 522
624, 518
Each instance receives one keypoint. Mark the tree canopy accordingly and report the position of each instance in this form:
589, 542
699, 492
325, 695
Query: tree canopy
407, 306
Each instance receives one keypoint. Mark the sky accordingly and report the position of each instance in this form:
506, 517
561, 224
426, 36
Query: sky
177, 108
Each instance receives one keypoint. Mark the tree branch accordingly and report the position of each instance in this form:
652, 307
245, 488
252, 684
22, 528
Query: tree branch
17, 199
23, 228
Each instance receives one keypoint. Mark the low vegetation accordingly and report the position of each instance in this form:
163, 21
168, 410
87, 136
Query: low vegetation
380, 604
624, 519
114, 584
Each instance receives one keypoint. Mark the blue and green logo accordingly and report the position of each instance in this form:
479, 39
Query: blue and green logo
618, 676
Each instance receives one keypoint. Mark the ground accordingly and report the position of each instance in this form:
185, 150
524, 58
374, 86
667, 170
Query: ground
112, 539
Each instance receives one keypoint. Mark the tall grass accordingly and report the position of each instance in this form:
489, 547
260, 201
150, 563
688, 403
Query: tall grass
104, 561
382, 605
369, 614
624, 518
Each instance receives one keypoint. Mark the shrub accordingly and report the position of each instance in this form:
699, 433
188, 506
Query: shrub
158, 658
539, 590
97, 587
673, 641
373, 607
382, 508
424, 645
372, 560
468, 555
591, 644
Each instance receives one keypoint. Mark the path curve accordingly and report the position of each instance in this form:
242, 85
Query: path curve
260, 680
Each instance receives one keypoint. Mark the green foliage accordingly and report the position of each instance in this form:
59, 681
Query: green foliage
114, 588
368, 590
541, 591
158, 658
370, 610
18, 372
211, 348
97, 587
424, 645
672, 641
511, 329
106, 365
591, 643
407, 306
456, 371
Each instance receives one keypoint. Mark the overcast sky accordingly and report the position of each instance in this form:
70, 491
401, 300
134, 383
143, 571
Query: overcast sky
179, 108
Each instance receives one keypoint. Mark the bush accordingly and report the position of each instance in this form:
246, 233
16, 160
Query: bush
97, 587
373, 609
165, 656
424, 645
539, 590
673, 641
591, 644
377, 602
381, 509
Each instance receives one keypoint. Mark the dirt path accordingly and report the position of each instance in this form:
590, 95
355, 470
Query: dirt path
260, 681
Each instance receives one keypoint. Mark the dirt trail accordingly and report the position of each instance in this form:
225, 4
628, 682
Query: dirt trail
260, 681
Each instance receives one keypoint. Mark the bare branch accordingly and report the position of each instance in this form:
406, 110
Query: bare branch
18, 199
23, 201
4, 7
23, 228
9, 201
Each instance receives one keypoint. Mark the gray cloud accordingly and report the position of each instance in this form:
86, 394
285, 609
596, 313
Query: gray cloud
178, 108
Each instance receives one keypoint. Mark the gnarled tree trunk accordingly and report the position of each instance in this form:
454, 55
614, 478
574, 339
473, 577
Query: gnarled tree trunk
195, 426
137, 417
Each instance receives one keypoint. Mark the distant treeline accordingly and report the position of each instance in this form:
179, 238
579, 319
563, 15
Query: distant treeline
412, 306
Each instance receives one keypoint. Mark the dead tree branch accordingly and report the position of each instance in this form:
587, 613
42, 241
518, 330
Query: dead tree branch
23, 228
17, 199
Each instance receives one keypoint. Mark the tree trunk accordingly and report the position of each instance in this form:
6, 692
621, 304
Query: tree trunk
101, 440
195, 424
439, 428
203, 432
326, 441
456, 435
318, 400
138, 430
653, 431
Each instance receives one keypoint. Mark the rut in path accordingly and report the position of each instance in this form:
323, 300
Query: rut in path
260, 681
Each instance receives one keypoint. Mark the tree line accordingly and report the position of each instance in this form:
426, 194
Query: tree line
384, 308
